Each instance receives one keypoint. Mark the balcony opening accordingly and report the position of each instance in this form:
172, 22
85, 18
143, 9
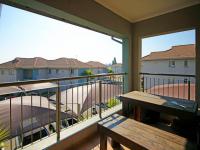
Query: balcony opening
53, 75
168, 71
168, 65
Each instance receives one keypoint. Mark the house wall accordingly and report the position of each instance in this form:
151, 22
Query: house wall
99, 70
42, 74
117, 69
8, 75
162, 67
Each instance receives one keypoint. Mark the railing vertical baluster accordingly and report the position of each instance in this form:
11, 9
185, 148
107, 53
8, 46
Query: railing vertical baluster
110, 92
150, 85
22, 134
154, 84
31, 119
158, 86
173, 88
72, 103
104, 93
48, 109
146, 80
184, 90
95, 96
10, 124
100, 97
168, 86
87, 96
40, 108
143, 83
178, 88
58, 99
123, 84
163, 86
66, 103
189, 89
91, 90
82, 96
78, 108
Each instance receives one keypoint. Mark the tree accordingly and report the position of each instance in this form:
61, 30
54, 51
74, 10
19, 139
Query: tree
88, 72
110, 70
114, 61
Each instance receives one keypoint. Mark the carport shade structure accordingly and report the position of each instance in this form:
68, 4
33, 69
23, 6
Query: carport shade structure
87, 96
42, 113
26, 88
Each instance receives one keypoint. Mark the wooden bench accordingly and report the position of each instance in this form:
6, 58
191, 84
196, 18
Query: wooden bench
138, 136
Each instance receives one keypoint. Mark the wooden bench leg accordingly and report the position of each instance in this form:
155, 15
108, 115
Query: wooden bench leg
103, 142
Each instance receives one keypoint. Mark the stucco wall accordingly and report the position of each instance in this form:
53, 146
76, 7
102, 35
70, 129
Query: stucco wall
162, 66
8, 75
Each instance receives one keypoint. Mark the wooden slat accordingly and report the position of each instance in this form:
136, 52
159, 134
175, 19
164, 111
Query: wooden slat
136, 135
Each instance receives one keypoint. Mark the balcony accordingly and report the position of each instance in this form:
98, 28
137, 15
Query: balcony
70, 125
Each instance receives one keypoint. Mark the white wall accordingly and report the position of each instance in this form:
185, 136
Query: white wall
116, 69
63, 73
162, 67
8, 75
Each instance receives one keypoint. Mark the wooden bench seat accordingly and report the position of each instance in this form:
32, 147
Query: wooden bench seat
138, 136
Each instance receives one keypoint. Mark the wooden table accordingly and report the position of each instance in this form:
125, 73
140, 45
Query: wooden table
138, 136
173, 106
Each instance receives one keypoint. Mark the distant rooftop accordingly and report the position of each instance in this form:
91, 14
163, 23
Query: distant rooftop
96, 64
38, 62
176, 52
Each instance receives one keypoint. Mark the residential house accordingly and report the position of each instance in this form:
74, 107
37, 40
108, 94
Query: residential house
179, 60
97, 67
21, 69
117, 68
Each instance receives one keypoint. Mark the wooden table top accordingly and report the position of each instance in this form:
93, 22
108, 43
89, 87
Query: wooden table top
136, 135
161, 103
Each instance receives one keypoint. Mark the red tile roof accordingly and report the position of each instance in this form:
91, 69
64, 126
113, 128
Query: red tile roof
176, 52
38, 62
96, 64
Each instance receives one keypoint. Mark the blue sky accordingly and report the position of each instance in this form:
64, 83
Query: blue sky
165, 42
25, 34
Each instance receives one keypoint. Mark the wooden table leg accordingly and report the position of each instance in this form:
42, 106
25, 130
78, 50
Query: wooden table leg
125, 109
137, 113
103, 142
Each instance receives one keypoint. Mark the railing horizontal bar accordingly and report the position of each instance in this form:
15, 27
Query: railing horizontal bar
17, 83
176, 75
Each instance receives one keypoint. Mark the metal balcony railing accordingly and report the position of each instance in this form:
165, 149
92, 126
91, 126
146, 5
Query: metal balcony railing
172, 85
31, 110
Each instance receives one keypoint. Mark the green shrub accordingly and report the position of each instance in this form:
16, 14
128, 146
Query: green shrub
110, 70
4, 133
112, 102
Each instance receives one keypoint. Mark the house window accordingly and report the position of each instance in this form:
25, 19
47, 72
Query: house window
49, 71
72, 71
185, 63
57, 71
11, 72
2, 72
172, 63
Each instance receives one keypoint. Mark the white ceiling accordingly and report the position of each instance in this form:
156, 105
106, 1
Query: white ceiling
137, 10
